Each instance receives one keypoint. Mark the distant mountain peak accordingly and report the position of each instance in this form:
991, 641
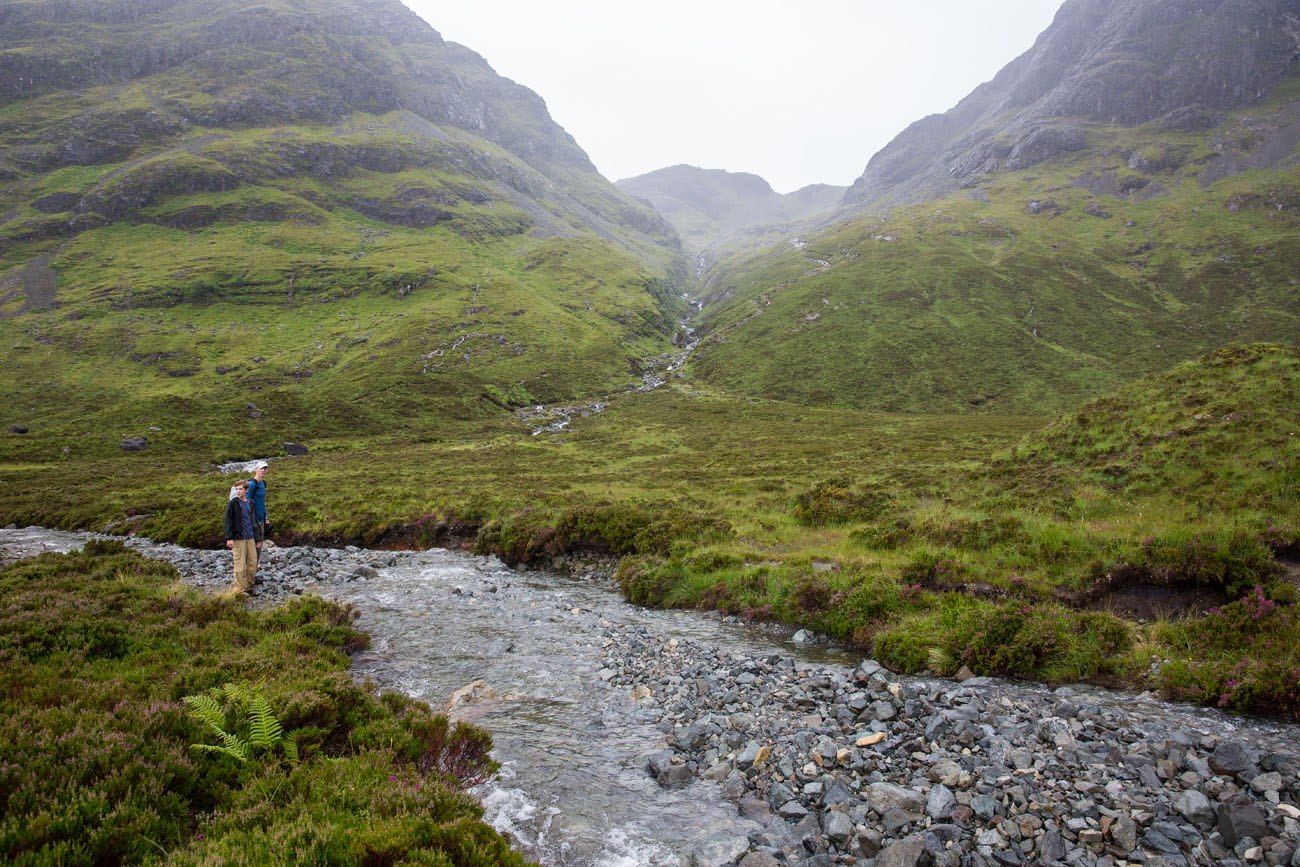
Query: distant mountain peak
706, 205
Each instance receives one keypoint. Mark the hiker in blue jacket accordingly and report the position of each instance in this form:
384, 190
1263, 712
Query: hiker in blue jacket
257, 495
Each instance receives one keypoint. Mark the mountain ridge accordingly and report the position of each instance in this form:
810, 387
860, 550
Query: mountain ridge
705, 206
1163, 61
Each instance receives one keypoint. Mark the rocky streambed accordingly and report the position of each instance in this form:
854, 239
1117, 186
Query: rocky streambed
630, 736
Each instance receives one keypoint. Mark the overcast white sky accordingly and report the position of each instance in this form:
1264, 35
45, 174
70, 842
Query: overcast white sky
799, 93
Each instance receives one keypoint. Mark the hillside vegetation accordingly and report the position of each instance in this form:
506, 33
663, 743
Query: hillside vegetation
106, 758
1032, 290
302, 218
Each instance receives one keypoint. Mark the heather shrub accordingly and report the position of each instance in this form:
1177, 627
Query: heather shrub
98, 757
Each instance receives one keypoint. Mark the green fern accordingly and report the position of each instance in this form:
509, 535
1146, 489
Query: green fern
255, 731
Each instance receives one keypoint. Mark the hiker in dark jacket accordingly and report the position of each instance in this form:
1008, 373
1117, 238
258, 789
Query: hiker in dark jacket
257, 495
243, 537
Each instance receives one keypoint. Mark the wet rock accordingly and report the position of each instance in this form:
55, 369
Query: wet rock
675, 777
721, 851
472, 693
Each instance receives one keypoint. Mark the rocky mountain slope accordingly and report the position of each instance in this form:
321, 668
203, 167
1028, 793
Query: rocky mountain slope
1027, 274
321, 210
1175, 64
707, 205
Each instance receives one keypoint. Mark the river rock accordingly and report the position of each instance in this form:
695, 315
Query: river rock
1194, 807
721, 851
884, 796
1240, 818
908, 852
472, 693
1230, 759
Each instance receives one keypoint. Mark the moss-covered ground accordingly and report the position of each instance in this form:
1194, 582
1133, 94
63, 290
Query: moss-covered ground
1031, 291
99, 651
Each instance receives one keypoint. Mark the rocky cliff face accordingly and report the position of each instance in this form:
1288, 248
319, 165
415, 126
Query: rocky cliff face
705, 205
241, 63
1177, 63
170, 96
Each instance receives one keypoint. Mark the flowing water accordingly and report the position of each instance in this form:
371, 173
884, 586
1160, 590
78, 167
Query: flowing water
573, 788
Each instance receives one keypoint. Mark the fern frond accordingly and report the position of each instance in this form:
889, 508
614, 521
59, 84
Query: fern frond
291, 751
264, 730
206, 710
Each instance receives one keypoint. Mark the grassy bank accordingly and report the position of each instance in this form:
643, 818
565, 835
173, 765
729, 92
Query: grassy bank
121, 742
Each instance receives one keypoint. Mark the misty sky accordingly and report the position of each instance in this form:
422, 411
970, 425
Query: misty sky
798, 93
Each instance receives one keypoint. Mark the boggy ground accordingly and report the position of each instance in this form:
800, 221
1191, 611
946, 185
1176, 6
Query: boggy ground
993, 542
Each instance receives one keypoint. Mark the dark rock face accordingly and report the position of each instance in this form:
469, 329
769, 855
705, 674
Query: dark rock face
1114, 61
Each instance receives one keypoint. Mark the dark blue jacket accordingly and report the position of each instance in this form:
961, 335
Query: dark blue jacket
257, 496
232, 528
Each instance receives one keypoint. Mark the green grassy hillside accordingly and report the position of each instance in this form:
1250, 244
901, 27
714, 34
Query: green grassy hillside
303, 219
1032, 289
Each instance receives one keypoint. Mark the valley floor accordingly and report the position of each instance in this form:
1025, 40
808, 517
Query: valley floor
1132, 542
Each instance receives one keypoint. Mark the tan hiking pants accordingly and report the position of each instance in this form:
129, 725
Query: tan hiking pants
245, 564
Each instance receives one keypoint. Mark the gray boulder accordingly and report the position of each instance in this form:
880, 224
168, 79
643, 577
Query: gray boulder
135, 444
883, 796
1194, 807
1240, 818
908, 852
1230, 759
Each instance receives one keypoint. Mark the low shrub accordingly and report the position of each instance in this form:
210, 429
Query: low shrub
841, 501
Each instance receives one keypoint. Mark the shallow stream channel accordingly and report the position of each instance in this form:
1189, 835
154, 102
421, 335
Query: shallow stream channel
630, 736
